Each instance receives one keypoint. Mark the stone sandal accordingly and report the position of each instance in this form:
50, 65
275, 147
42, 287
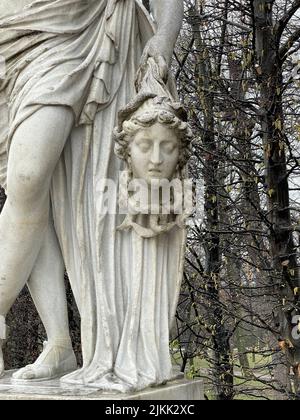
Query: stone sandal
57, 369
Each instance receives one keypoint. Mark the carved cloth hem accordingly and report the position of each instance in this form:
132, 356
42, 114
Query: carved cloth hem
84, 55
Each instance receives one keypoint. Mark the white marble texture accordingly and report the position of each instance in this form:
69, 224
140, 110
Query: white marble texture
179, 390
71, 66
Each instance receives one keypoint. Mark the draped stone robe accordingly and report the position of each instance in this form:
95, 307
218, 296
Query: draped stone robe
84, 54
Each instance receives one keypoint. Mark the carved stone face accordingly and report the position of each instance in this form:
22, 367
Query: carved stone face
154, 153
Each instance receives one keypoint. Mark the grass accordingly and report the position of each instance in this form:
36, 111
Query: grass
246, 388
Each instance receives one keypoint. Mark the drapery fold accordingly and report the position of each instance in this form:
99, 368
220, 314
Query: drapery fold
84, 55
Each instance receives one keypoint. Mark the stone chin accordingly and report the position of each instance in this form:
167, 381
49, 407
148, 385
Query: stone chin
153, 177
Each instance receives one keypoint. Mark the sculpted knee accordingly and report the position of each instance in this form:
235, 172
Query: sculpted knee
25, 183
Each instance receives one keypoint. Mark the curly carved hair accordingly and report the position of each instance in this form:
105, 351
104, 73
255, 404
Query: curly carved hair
125, 133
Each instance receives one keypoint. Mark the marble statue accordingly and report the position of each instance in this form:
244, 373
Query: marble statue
153, 139
71, 66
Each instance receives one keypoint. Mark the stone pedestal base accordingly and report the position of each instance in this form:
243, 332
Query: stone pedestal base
180, 389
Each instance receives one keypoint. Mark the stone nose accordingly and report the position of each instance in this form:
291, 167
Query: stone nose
156, 155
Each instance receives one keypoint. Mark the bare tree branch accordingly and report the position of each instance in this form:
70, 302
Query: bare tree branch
282, 24
289, 44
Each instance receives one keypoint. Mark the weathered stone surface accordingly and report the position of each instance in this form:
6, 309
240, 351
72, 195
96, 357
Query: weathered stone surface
181, 389
69, 67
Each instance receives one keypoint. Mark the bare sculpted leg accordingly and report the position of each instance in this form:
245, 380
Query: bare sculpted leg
47, 288
24, 224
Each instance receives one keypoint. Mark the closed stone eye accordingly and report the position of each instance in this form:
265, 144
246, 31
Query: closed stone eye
169, 147
144, 147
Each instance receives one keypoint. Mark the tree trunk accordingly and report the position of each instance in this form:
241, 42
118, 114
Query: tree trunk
283, 252
222, 366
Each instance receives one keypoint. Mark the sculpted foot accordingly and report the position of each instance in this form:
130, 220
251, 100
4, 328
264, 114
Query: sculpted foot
57, 359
